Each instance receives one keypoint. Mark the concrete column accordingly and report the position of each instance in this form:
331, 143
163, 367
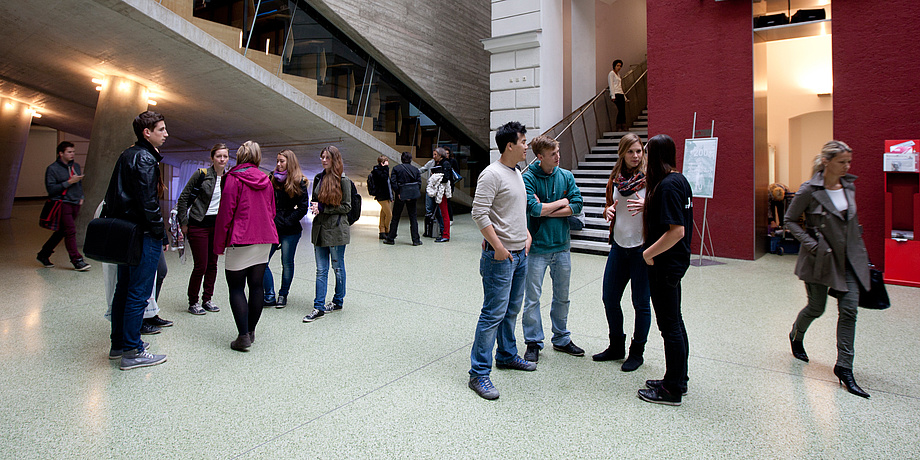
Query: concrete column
120, 101
15, 119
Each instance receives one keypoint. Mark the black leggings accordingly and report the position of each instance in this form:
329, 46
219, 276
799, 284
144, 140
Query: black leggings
246, 313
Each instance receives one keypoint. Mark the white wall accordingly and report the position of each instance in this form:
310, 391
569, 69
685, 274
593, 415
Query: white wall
583, 52
798, 70
621, 33
40, 152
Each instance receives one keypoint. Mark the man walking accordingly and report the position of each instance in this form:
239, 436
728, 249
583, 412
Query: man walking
64, 183
499, 210
552, 196
133, 196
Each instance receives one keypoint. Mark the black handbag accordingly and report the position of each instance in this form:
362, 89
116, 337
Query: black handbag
876, 298
114, 241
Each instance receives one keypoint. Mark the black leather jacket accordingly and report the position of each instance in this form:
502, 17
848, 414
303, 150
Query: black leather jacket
132, 193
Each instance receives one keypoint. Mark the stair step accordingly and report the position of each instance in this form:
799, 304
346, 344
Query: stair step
596, 164
601, 157
590, 247
619, 134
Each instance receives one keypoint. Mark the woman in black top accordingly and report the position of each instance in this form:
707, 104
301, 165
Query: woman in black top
292, 201
668, 229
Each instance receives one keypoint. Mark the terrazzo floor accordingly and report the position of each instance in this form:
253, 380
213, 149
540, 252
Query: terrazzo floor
386, 377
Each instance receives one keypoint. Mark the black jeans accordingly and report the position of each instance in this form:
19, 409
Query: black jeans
413, 219
665, 290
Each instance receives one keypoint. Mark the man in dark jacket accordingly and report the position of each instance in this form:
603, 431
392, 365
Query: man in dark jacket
133, 195
406, 182
382, 193
64, 183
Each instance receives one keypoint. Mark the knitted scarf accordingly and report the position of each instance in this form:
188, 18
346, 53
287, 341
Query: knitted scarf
628, 186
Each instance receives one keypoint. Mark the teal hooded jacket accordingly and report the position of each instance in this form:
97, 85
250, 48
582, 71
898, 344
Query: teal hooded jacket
550, 234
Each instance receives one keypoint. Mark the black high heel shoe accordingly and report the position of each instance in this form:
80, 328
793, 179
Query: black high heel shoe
798, 349
846, 379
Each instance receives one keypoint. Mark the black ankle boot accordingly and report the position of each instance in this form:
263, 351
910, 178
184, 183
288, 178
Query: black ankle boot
798, 349
616, 350
846, 379
635, 357
428, 225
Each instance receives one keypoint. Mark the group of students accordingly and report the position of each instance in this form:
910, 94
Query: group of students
402, 188
650, 211
248, 216
243, 214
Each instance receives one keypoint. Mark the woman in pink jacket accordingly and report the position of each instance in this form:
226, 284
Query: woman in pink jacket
245, 231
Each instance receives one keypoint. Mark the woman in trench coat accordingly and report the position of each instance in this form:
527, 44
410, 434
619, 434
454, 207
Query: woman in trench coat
833, 259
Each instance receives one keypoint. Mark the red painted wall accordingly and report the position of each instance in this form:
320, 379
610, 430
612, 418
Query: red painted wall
700, 60
876, 97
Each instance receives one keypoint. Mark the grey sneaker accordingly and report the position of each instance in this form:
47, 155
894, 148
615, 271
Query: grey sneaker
209, 306
134, 359
483, 387
517, 363
281, 302
196, 309
317, 314
115, 354
332, 307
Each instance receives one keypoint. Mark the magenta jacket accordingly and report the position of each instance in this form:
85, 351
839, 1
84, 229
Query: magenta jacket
247, 209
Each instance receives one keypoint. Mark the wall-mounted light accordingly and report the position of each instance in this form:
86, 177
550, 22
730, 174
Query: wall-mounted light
151, 102
267, 41
35, 113
98, 88
98, 81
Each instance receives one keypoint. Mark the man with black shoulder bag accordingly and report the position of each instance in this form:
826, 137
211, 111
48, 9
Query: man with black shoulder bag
133, 196
406, 182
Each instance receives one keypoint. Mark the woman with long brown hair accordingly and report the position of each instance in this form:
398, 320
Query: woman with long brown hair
292, 201
330, 233
625, 199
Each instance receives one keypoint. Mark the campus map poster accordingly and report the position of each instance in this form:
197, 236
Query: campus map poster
700, 165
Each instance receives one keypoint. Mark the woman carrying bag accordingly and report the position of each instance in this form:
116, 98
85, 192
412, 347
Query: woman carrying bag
833, 259
196, 210
292, 201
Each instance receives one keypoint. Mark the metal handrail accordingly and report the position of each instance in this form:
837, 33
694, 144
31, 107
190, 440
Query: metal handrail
636, 82
582, 110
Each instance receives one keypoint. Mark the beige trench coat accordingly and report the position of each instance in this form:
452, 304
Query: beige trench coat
829, 238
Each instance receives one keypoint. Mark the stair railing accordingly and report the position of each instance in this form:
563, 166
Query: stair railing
578, 131
637, 92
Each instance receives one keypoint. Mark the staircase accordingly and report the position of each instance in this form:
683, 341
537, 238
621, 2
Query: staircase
591, 177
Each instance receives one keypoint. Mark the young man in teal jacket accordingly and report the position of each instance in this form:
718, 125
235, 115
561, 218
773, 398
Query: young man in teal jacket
552, 196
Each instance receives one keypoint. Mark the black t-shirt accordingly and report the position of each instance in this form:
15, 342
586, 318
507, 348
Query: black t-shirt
671, 204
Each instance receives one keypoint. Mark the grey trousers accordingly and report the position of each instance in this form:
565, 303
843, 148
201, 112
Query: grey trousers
846, 317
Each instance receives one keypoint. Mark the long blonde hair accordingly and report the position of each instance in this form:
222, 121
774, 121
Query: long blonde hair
291, 184
330, 191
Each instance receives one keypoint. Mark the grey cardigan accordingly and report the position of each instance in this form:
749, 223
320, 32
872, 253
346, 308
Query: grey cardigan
829, 238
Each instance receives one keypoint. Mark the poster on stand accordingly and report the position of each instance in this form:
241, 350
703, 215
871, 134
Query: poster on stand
700, 165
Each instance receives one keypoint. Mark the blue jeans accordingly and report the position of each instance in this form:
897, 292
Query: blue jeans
502, 290
323, 256
626, 265
135, 282
288, 245
560, 270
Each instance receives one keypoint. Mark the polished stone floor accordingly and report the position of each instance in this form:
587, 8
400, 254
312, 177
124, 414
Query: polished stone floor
387, 376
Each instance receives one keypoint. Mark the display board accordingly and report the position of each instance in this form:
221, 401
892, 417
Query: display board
700, 165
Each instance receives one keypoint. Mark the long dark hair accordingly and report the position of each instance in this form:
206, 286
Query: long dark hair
661, 154
330, 189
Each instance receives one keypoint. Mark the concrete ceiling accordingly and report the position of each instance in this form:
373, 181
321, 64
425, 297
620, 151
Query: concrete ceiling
52, 49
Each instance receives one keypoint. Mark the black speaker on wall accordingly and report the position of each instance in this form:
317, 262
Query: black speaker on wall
771, 20
809, 15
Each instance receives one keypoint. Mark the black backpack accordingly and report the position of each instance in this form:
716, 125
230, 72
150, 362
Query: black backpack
371, 186
355, 212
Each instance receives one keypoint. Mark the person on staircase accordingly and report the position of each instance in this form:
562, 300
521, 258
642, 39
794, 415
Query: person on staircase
625, 199
615, 84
